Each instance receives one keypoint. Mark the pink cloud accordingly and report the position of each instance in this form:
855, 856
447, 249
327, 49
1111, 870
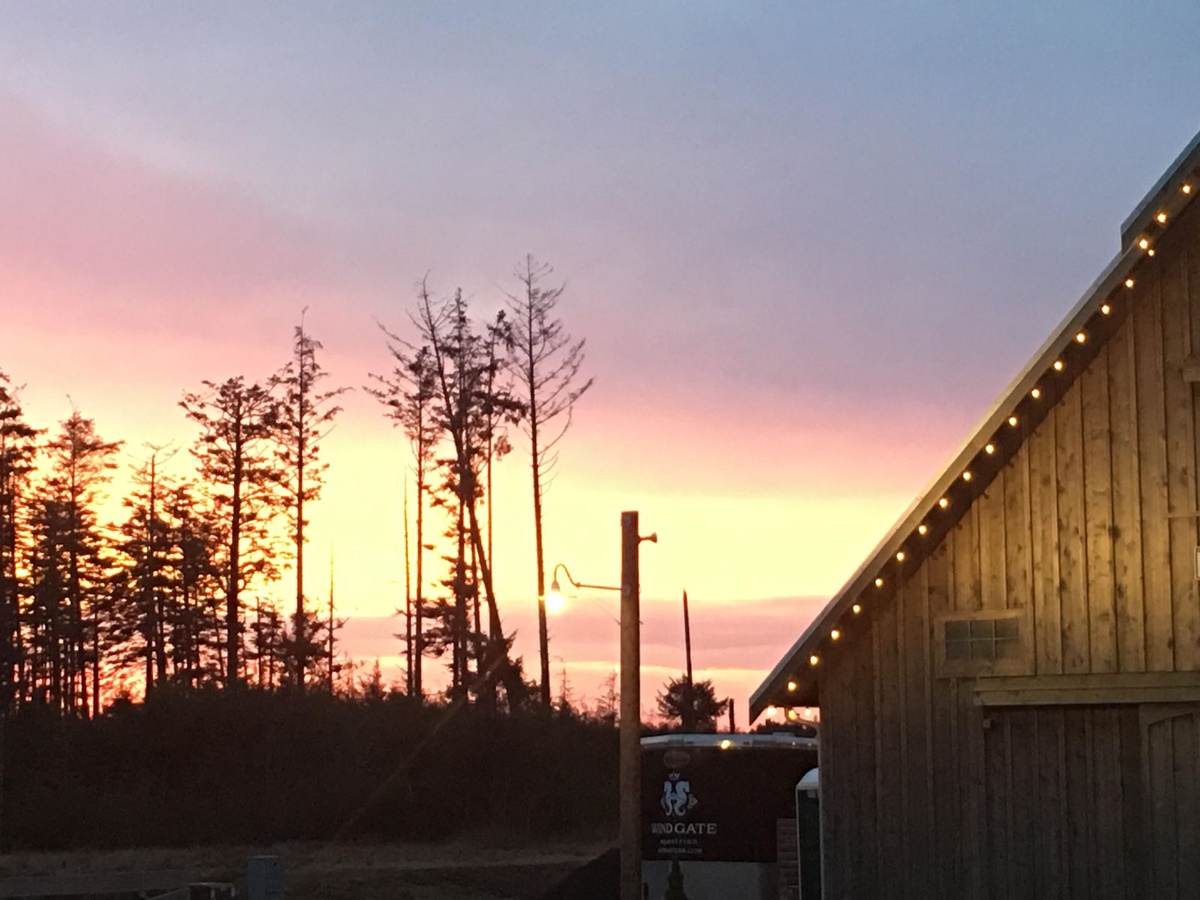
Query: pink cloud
114, 227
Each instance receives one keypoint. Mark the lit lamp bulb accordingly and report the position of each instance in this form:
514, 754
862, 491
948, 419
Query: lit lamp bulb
1036, 393
900, 556
1129, 282
1144, 244
922, 529
878, 582
943, 503
856, 609
1187, 188
555, 601
793, 715
771, 710
1058, 365
1080, 338
1161, 218
1106, 309
814, 659
967, 475
1012, 421
791, 685
725, 744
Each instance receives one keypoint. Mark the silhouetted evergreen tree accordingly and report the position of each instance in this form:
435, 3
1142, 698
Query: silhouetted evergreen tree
690, 706
306, 414
69, 564
546, 362
239, 424
467, 405
18, 453
407, 394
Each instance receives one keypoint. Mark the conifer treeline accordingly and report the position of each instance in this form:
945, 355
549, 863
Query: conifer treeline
174, 588
180, 587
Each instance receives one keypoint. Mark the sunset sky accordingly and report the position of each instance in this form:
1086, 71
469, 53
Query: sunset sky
808, 244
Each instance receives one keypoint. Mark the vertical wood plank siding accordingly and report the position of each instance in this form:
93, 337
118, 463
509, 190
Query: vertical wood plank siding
1091, 528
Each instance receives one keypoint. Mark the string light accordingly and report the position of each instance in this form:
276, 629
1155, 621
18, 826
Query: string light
878, 582
1012, 421
791, 685
1150, 252
1036, 393
1187, 188
1162, 218
943, 503
1128, 282
856, 609
967, 475
793, 715
835, 634
900, 556
814, 659
1144, 244
922, 529
1058, 365
725, 744
1080, 338
989, 449
1106, 309
771, 710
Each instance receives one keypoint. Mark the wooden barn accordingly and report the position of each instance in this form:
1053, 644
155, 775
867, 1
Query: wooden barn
1009, 686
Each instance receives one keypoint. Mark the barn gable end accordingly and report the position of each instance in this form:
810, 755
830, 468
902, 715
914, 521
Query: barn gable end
1009, 687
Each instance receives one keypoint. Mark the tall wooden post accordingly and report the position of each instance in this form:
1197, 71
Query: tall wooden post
687, 645
631, 713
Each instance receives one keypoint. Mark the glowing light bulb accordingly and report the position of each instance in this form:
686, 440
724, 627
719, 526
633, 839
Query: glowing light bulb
878, 582
1012, 421
835, 634
1058, 365
1144, 244
856, 609
967, 475
1150, 252
943, 503
1106, 309
900, 556
1187, 188
791, 685
725, 744
771, 710
1036, 393
1080, 338
1162, 218
793, 715
814, 659
922, 529
1129, 282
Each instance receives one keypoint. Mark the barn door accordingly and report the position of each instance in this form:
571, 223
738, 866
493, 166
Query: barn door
1171, 767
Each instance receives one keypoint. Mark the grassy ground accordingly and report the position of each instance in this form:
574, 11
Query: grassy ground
464, 870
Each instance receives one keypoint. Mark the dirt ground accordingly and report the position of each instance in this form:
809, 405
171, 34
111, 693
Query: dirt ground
465, 870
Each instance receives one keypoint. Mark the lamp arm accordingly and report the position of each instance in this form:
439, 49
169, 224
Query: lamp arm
574, 583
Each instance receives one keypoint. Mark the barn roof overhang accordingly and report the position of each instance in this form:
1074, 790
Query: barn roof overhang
795, 680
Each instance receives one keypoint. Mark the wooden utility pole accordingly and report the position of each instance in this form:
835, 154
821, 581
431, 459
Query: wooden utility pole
631, 710
687, 641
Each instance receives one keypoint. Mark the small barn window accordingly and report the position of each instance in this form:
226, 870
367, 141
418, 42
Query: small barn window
986, 642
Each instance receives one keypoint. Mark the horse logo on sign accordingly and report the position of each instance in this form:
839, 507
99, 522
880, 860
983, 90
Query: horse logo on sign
677, 798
